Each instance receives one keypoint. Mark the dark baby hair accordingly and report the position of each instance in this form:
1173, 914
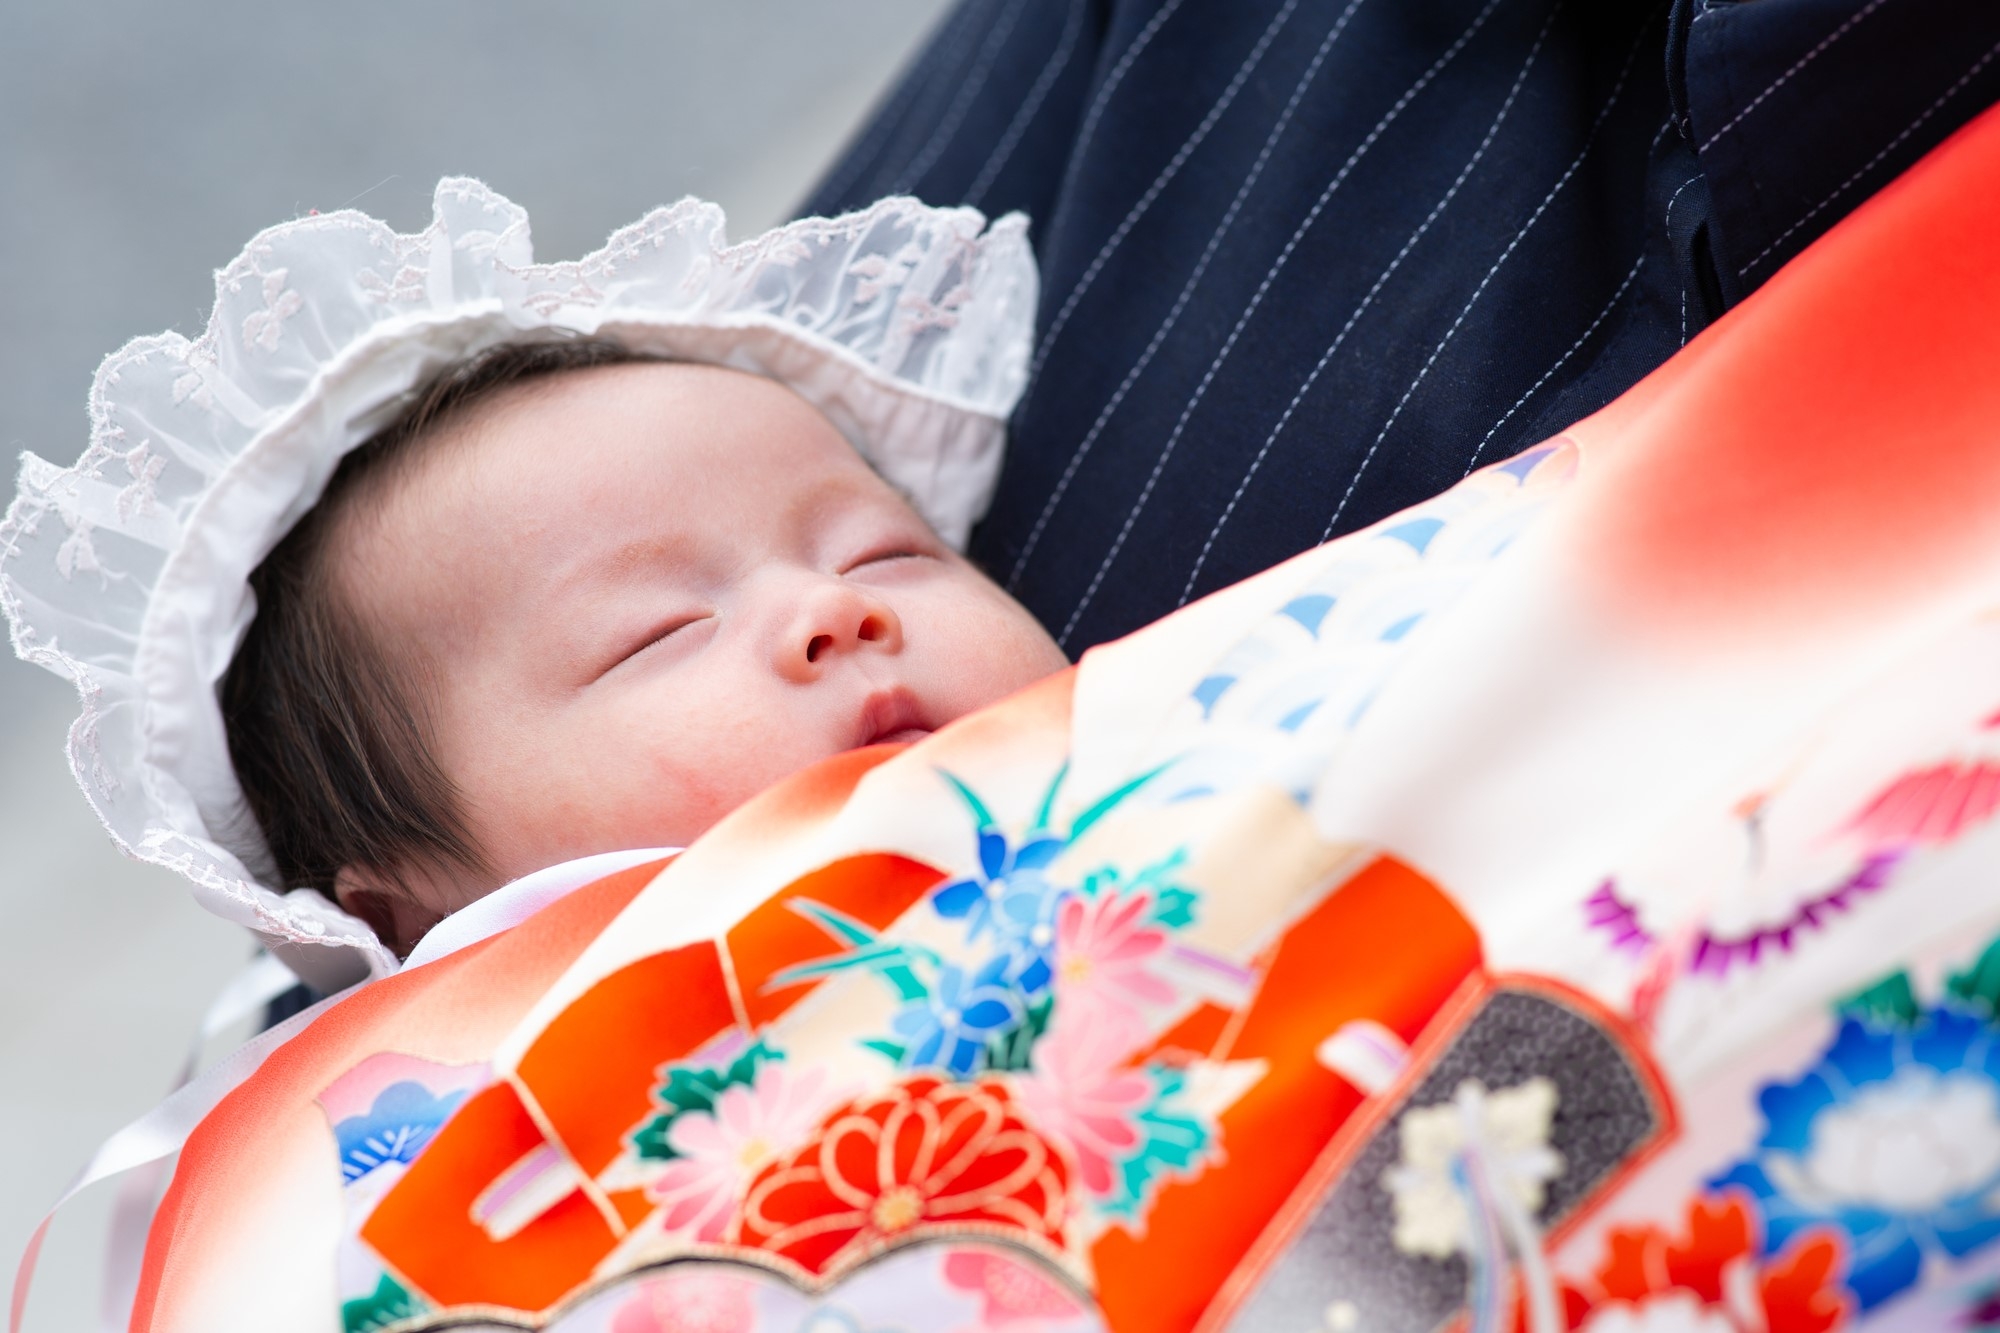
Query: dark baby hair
327, 730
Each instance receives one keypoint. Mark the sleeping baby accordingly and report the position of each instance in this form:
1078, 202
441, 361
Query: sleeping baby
574, 601
427, 567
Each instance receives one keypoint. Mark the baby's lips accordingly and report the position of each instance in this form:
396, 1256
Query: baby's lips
890, 716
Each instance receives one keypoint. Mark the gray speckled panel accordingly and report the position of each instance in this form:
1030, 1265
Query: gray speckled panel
1605, 1113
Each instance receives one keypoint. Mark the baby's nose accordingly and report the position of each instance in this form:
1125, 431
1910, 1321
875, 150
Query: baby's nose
833, 619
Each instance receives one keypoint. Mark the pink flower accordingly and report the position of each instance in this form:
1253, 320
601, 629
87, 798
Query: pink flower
1011, 1293
721, 1149
1102, 947
1079, 1094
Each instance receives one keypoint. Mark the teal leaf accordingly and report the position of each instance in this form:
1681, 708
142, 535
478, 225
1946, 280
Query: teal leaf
972, 801
835, 923
686, 1088
1107, 804
1978, 986
1013, 1051
1172, 1142
649, 1140
1174, 908
826, 967
1888, 1005
390, 1303
1048, 805
893, 1050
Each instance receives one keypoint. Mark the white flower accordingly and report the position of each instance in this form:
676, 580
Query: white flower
1910, 1145
1507, 1132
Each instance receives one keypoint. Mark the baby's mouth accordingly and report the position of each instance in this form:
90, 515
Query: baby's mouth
890, 717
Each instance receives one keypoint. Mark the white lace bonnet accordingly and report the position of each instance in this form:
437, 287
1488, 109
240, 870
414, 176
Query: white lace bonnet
908, 326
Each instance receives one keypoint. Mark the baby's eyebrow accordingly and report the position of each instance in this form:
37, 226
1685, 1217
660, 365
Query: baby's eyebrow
628, 562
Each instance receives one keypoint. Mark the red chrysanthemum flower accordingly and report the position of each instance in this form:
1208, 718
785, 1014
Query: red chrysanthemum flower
917, 1156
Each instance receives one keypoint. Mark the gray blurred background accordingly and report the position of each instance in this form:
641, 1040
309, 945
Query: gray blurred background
140, 145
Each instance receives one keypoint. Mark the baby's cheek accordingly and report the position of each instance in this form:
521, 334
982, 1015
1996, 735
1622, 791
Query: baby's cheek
711, 758
994, 649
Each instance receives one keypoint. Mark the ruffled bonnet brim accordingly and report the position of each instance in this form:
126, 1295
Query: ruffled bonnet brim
908, 326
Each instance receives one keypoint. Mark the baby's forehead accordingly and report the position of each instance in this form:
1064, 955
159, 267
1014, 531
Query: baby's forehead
648, 451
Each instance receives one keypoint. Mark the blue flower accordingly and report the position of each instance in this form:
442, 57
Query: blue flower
1026, 921
949, 1028
1893, 1138
1013, 900
1005, 870
401, 1121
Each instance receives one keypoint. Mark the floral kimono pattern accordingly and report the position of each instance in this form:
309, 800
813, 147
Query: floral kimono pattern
1572, 904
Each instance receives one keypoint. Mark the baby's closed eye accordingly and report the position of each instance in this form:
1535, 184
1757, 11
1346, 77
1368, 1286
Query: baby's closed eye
656, 635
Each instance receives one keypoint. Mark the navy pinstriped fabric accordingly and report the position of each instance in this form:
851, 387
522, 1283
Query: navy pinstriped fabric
1306, 262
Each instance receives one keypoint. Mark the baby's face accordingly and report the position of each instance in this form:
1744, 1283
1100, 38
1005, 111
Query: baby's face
646, 592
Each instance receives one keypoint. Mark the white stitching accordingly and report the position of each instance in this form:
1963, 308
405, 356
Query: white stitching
882, 132
1257, 462
1872, 162
1088, 129
1667, 222
1153, 192
1031, 105
1285, 254
941, 137
1561, 361
1667, 229
1797, 65
1174, 313
1423, 372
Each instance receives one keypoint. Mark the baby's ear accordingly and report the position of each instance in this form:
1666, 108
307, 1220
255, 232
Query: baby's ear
385, 905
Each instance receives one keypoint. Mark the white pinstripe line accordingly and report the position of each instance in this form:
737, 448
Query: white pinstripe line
1031, 105
1562, 360
941, 137
1284, 256
1088, 129
1187, 290
1797, 65
1153, 192
1257, 462
1876, 160
1667, 228
959, 25
1423, 372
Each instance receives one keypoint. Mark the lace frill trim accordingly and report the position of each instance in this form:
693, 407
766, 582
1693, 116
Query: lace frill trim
127, 572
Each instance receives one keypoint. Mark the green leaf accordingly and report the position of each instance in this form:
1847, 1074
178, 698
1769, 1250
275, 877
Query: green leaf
891, 962
1013, 1050
743, 1069
1889, 1004
1174, 908
1048, 804
1172, 1143
389, 1303
835, 923
686, 1088
649, 1141
691, 1089
972, 801
1109, 803
1978, 987
1160, 873
826, 967
893, 1050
